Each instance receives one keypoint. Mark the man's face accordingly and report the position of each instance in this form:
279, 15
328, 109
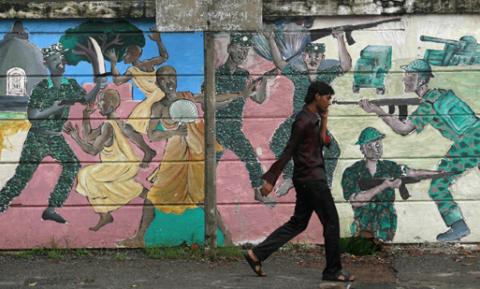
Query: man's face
167, 82
55, 64
132, 54
323, 101
104, 106
410, 81
313, 59
238, 53
373, 150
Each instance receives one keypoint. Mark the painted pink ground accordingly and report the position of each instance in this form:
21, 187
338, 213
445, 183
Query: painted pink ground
246, 219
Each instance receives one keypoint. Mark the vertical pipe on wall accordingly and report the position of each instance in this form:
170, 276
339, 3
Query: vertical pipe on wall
210, 158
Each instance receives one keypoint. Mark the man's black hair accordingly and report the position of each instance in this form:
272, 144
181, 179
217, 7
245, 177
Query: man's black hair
319, 87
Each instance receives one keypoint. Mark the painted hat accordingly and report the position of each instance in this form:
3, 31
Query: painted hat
53, 49
315, 47
368, 135
241, 38
418, 65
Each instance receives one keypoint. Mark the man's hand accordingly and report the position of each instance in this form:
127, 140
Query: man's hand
101, 82
57, 106
369, 107
89, 109
266, 188
392, 183
324, 114
338, 34
155, 35
68, 128
111, 54
268, 32
181, 130
250, 88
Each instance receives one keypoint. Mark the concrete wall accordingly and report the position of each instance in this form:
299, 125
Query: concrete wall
178, 194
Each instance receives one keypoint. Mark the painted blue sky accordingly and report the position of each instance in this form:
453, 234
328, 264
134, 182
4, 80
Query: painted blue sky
185, 51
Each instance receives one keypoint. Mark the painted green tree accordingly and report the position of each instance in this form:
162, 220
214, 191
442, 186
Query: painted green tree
116, 35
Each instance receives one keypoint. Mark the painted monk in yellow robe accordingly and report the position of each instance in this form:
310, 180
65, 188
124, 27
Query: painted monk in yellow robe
142, 73
178, 183
110, 184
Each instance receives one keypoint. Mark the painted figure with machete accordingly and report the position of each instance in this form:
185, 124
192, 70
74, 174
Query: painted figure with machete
48, 109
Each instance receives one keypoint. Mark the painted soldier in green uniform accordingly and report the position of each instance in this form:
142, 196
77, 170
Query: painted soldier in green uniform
456, 121
230, 78
374, 215
48, 110
316, 68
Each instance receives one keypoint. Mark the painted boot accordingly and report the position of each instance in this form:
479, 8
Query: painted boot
457, 231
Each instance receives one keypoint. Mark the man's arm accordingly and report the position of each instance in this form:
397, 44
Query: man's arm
414, 173
362, 198
56, 108
156, 135
98, 144
117, 77
137, 139
276, 55
343, 55
323, 128
162, 52
89, 133
298, 130
398, 126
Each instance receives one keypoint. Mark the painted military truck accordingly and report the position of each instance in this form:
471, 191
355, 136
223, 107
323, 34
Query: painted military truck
465, 51
371, 68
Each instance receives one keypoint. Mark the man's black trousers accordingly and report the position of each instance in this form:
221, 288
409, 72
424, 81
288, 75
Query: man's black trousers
312, 196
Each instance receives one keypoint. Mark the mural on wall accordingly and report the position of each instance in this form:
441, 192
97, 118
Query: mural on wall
83, 145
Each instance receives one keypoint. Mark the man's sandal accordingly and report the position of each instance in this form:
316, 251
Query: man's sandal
340, 276
255, 265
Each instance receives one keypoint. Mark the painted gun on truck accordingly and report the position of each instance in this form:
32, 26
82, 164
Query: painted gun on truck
404, 193
402, 104
465, 51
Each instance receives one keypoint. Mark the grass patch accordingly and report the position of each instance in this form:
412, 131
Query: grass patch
229, 252
180, 252
194, 252
359, 246
120, 257
56, 254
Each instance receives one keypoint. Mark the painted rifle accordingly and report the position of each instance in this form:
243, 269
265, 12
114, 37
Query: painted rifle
402, 104
369, 184
316, 34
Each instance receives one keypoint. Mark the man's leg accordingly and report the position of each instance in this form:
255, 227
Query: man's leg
29, 160
148, 214
279, 142
60, 150
320, 197
297, 224
277, 145
440, 191
243, 149
233, 138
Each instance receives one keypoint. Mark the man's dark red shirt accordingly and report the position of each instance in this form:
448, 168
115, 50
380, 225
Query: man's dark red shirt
305, 146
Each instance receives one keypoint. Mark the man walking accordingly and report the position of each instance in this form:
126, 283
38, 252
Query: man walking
309, 135
315, 68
